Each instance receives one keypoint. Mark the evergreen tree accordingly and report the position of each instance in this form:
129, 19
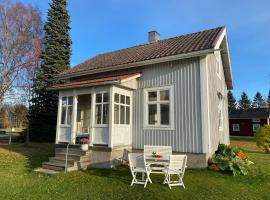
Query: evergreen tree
268, 101
55, 58
258, 101
244, 102
232, 104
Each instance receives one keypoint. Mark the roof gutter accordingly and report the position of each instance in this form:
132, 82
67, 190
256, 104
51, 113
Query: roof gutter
139, 64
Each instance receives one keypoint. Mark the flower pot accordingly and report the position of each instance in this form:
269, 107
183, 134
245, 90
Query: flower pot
84, 147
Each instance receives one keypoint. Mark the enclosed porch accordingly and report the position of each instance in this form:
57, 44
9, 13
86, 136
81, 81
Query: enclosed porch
99, 109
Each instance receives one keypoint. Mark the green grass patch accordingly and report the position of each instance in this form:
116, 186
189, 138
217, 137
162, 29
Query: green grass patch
19, 181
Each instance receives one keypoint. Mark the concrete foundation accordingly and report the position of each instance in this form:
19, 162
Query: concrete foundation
111, 157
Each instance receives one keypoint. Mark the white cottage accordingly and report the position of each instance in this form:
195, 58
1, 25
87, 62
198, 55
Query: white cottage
165, 92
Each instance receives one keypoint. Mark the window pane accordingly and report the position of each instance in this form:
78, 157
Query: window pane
116, 114
64, 101
63, 117
106, 97
152, 114
70, 100
122, 114
98, 114
116, 98
164, 95
123, 99
152, 96
127, 115
127, 100
105, 113
69, 115
164, 114
98, 98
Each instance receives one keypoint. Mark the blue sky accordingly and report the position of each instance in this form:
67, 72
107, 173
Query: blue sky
100, 26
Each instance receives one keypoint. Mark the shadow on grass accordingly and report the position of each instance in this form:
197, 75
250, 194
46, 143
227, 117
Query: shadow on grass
121, 173
35, 153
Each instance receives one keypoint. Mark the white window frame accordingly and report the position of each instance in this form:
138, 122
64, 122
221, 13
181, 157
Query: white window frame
66, 113
119, 111
254, 127
218, 64
256, 120
236, 127
220, 109
158, 102
102, 106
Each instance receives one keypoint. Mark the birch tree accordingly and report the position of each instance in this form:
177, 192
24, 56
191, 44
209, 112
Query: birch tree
20, 42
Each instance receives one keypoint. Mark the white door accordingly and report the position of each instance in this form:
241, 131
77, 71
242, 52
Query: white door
101, 118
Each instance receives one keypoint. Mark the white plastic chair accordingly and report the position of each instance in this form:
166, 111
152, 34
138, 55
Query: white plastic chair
137, 165
177, 166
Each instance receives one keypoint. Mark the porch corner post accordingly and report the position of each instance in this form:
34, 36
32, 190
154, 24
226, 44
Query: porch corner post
93, 97
74, 116
111, 118
58, 118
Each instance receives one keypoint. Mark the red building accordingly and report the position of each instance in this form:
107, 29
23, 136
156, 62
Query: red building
247, 122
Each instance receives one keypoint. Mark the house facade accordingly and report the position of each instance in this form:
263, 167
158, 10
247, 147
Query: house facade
247, 122
166, 92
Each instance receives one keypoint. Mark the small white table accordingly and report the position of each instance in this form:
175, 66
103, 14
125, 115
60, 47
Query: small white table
160, 162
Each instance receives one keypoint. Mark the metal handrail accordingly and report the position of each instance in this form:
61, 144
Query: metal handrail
67, 153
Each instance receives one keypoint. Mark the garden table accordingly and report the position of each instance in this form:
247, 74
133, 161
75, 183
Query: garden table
157, 164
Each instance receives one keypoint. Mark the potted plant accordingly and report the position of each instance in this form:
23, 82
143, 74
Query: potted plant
84, 143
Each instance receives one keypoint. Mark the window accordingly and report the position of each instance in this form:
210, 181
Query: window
236, 127
256, 120
220, 114
159, 107
102, 108
256, 127
67, 107
121, 109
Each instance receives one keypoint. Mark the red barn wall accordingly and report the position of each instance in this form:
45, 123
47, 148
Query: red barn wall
246, 128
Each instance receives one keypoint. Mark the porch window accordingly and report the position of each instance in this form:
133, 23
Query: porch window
159, 112
121, 109
102, 108
67, 107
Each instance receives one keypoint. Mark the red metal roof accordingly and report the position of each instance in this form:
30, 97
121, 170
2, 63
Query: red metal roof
96, 81
168, 47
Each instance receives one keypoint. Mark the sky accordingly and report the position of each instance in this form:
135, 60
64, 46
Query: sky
99, 26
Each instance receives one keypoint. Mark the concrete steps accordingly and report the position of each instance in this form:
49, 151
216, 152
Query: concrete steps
76, 160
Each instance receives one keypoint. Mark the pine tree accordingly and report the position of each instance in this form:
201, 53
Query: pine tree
258, 101
232, 104
244, 102
268, 101
55, 58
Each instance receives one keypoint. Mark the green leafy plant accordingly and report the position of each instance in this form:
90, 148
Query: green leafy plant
230, 159
262, 138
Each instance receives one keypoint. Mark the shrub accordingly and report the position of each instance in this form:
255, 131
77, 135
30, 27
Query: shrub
230, 159
262, 138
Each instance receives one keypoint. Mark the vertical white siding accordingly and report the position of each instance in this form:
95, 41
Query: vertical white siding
217, 84
186, 136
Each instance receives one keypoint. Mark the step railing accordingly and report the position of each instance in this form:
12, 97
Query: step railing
66, 159
67, 153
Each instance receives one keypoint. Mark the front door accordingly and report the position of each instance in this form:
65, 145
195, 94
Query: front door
101, 119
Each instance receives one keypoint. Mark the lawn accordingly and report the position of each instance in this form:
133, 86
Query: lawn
19, 181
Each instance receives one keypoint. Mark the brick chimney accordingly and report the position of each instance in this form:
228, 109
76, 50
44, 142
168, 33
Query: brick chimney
153, 36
